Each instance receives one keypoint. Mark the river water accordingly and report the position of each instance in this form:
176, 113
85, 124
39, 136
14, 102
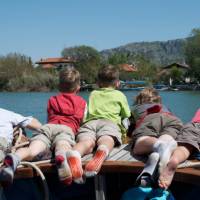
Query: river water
182, 103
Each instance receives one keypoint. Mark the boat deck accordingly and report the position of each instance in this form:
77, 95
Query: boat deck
120, 160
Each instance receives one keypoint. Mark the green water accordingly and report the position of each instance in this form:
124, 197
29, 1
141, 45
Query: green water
182, 103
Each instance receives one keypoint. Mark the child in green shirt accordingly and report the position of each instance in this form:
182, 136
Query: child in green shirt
107, 108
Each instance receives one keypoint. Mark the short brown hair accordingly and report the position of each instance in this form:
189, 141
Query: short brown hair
69, 79
148, 95
107, 76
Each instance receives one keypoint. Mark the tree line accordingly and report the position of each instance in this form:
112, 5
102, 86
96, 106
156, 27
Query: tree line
17, 72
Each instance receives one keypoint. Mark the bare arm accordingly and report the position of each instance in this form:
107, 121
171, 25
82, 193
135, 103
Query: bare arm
34, 124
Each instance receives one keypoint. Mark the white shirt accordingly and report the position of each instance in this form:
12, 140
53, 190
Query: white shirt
8, 119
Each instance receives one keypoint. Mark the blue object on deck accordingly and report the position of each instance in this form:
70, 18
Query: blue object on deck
147, 193
160, 194
137, 193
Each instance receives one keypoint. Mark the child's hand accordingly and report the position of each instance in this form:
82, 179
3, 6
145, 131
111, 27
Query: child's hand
126, 123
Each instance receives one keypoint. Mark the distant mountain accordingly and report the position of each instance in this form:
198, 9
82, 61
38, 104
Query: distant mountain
158, 52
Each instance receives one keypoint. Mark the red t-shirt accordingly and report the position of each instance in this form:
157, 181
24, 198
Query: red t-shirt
66, 109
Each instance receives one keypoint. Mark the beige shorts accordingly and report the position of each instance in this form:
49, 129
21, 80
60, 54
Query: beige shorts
51, 133
94, 129
158, 124
190, 134
4, 148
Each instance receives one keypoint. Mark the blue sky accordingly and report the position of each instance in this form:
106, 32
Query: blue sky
42, 28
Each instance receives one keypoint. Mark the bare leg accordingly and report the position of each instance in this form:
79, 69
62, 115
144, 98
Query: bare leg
28, 153
106, 140
144, 145
84, 146
105, 145
12, 160
180, 154
62, 145
165, 147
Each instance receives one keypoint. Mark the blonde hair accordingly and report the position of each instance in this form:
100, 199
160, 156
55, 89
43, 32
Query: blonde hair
69, 79
148, 95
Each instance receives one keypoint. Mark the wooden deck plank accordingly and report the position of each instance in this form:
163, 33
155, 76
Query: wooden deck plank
118, 155
132, 159
126, 157
87, 157
116, 150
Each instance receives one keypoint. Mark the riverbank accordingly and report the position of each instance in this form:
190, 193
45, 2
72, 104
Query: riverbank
160, 87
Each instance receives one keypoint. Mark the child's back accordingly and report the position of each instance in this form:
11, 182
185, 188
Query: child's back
66, 109
156, 127
107, 108
65, 113
108, 103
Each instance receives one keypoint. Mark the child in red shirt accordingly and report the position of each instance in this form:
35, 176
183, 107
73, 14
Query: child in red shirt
65, 113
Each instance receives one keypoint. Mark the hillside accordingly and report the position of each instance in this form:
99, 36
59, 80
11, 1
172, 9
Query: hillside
158, 52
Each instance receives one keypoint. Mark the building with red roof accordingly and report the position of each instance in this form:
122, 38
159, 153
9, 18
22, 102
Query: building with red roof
57, 63
128, 67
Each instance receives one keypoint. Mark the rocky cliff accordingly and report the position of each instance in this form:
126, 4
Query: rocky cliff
158, 52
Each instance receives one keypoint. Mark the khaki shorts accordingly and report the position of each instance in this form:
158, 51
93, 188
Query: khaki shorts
4, 148
96, 128
52, 133
158, 124
190, 134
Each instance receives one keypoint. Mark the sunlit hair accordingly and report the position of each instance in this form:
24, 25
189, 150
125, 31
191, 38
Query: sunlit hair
107, 76
148, 95
69, 79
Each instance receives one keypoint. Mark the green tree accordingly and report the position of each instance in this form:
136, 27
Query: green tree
118, 58
13, 66
192, 53
18, 74
176, 75
146, 70
87, 61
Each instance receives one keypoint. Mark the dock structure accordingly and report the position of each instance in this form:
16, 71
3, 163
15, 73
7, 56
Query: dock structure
120, 160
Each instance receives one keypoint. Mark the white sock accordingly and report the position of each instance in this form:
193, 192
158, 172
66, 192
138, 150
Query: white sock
165, 150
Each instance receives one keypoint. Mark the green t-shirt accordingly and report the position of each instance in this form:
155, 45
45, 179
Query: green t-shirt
108, 103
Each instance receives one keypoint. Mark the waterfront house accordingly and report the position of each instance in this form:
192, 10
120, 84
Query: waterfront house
167, 71
55, 63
